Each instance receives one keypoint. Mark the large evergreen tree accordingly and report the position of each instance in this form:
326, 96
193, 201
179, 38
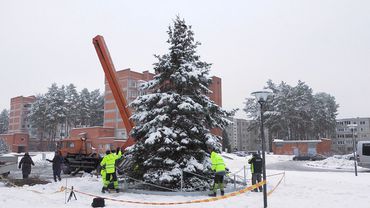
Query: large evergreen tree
173, 123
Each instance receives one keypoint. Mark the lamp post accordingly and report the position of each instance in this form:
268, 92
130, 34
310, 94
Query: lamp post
261, 97
352, 127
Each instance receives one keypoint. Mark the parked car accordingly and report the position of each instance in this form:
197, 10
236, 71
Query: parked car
301, 157
309, 157
318, 157
240, 154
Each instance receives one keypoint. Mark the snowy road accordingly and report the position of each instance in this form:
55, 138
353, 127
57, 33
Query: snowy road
309, 166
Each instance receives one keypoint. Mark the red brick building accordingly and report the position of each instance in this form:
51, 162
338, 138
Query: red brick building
17, 136
19, 109
17, 142
302, 147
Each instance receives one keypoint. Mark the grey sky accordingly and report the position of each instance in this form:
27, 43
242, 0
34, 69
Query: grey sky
323, 43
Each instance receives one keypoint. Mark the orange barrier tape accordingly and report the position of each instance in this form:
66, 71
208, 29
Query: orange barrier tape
272, 190
249, 188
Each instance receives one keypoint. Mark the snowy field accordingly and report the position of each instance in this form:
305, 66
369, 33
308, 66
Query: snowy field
303, 189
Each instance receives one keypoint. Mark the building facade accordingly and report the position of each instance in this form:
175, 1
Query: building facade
19, 109
129, 82
301, 147
344, 138
19, 128
243, 139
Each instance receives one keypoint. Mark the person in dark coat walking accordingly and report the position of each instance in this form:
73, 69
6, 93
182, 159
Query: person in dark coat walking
57, 165
256, 169
26, 163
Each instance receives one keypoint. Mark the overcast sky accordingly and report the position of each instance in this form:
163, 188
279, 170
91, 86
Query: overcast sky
325, 43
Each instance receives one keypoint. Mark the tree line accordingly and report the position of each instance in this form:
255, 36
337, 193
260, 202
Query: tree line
54, 113
295, 113
63, 108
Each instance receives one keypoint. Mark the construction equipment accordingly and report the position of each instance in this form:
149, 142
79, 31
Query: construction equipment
80, 153
78, 156
110, 74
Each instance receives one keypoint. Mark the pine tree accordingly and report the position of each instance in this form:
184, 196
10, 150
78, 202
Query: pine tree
71, 103
96, 108
295, 113
55, 112
84, 104
4, 121
173, 123
38, 117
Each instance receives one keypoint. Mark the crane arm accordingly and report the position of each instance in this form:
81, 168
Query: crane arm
110, 74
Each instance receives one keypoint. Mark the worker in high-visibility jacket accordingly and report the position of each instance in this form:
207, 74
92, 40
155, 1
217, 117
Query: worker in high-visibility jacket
109, 162
218, 166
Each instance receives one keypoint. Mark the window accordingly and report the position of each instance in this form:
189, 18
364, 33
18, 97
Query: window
366, 149
279, 144
70, 145
132, 83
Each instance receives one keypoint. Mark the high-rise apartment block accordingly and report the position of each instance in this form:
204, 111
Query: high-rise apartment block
241, 138
129, 82
18, 117
343, 141
19, 128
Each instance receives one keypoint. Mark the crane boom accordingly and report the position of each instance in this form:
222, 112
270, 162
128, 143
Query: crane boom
110, 74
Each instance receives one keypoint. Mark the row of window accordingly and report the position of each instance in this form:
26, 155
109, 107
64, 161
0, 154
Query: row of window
350, 135
349, 122
342, 142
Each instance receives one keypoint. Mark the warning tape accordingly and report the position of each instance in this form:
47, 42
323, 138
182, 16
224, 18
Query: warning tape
249, 188
281, 179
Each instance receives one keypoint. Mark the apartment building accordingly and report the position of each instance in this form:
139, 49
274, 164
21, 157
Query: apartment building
19, 128
130, 82
343, 141
243, 139
19, 109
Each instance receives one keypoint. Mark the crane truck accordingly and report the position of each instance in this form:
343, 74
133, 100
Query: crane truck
80, 153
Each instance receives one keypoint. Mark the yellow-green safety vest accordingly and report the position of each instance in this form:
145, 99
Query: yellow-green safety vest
218, 164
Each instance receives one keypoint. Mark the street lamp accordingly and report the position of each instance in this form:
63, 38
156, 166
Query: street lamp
261, 97
353, 127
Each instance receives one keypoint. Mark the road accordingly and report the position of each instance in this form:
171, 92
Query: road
301, 166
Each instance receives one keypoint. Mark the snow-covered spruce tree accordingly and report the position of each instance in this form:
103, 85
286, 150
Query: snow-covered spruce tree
173, 123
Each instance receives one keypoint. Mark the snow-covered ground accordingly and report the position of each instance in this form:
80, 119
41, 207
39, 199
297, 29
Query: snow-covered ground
303, 189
